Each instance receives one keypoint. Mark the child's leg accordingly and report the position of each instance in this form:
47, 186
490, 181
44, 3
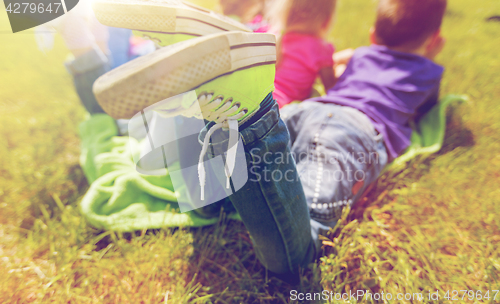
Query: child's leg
85, 69
272, 203
338, 153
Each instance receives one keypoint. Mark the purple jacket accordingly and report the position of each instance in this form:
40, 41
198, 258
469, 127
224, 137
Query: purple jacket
390, 87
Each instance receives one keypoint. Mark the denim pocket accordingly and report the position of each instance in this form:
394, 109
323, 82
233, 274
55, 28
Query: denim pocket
341, 154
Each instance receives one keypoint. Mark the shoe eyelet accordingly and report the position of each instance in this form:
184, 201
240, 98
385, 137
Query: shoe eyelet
237, 104
244, 110
221, 97
202, 94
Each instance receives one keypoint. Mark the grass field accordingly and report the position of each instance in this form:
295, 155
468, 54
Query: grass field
433, 226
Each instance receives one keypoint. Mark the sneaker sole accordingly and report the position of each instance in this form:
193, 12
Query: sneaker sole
164, 16
179, 68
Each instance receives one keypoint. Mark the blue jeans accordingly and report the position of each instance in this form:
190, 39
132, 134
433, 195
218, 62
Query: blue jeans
284, 212
274, 211
338, 153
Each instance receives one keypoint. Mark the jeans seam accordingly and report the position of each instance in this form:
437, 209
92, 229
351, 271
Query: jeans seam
314, 157
289, 262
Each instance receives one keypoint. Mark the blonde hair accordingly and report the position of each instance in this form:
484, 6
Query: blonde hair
306, 16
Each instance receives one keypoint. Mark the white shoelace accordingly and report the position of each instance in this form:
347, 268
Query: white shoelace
219, 111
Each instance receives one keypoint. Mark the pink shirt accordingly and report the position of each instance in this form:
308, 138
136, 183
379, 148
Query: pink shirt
302, 56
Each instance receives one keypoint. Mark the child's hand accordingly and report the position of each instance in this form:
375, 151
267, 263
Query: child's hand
339, 70
435, 47
340, 60
343, 57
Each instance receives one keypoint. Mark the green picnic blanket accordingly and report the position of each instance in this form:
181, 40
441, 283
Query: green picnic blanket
122, 199
119, 197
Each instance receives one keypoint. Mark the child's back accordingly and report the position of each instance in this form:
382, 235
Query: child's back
303, 56
303, 53
389, 87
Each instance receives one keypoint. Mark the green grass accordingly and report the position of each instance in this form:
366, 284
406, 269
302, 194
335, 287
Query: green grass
433, 226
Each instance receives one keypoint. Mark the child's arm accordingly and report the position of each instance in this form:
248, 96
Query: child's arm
340, 59
427, 105
343, 57
434, 48
327, 76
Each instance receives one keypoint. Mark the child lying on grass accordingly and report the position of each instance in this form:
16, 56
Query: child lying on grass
341, 141
361, 124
